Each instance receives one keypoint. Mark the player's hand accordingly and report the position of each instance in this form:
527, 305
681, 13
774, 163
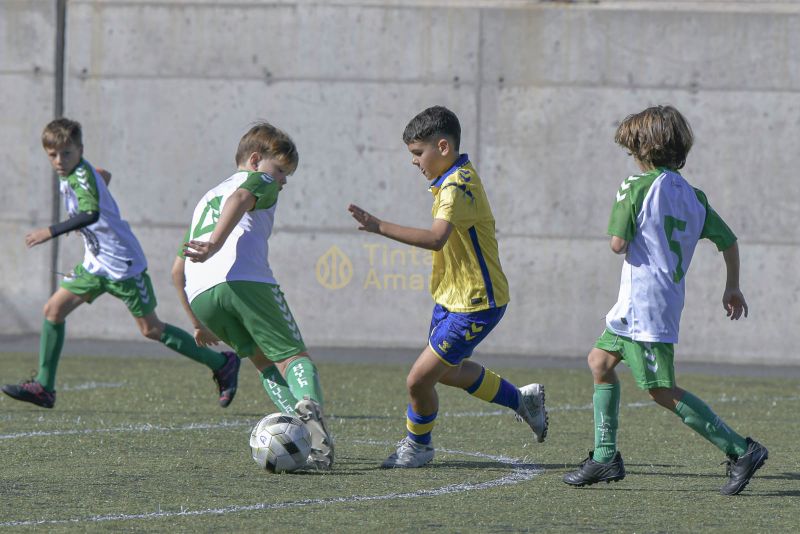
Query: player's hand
734, 303
204, 337
368, 222
199, 251
104, 174
37, 237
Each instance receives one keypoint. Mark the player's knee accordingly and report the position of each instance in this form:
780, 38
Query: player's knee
53, 312
662, 396
415, 384
151, 332
598, 365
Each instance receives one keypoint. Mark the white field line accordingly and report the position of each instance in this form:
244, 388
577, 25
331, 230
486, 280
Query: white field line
146, 427
92, 385
520, 472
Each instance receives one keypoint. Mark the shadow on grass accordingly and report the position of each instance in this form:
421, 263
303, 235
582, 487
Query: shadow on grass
782, 476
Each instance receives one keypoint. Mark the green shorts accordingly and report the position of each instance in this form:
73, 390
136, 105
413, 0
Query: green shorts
136, 292
651, 363
246, 315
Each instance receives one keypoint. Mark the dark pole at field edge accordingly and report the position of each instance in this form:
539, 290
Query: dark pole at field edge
55, 213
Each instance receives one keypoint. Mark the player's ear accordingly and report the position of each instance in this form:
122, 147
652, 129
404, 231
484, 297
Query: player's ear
443, 145
254, 160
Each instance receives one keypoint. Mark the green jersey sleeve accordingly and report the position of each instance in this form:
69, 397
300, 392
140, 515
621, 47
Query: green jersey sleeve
263, 187
82, 182
714, 228
457, 205
622, 222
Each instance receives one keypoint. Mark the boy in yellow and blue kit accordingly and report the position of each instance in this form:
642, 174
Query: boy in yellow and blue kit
467, 284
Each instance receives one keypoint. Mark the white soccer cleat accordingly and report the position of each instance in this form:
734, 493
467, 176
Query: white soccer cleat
532, 411
310, 412
409, 453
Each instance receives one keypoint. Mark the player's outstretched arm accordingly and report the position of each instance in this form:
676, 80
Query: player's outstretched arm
42, 235
433, 239
732, 299
202, 335
240, 202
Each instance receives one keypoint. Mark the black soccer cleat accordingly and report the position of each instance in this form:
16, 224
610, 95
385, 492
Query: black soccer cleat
741, 469
31, 391
591, 472
227, 378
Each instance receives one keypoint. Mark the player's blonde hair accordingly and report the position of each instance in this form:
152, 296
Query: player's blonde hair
270, 142
61, 132
659, 136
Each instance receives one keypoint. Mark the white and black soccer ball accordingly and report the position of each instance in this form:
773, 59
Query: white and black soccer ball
280, 443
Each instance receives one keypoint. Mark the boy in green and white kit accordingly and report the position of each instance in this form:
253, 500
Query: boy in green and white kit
229, 285
113, 263
656, 221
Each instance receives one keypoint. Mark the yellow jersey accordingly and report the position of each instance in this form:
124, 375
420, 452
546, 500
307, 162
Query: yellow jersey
466, 275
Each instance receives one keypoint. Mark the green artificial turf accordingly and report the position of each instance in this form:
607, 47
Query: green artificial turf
140, 445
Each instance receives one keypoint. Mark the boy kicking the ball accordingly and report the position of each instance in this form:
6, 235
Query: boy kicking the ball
113, 263
228, 286
467, 284
656, 221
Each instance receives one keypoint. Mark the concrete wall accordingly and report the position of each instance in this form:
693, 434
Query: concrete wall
165, 89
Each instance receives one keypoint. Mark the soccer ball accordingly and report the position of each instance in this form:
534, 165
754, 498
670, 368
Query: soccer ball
280, 443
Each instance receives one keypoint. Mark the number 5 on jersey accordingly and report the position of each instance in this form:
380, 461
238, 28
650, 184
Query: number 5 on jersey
670, 225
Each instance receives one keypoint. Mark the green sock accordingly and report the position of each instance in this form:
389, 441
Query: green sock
50, 344
302, 378
606, 421
278, 390
698, 416
182, 342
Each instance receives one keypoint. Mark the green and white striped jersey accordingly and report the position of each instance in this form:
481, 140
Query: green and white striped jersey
111, 249
662, 217
245, 254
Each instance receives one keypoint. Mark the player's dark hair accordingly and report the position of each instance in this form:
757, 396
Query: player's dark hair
659, 135
270, 142
61, 132
434, 121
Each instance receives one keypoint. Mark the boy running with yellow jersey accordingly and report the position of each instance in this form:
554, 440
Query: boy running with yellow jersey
467, 285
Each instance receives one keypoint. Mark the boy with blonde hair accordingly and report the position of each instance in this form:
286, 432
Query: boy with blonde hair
228, 285
113, 263
467, 285
656, 221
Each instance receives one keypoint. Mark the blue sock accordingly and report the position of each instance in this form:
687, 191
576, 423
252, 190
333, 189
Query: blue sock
419, 426
492, 388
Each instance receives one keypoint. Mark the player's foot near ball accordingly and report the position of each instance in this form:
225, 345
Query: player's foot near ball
31, 391
227, 378
741, 469
591, 472
409, 453
532, 411
310, 412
